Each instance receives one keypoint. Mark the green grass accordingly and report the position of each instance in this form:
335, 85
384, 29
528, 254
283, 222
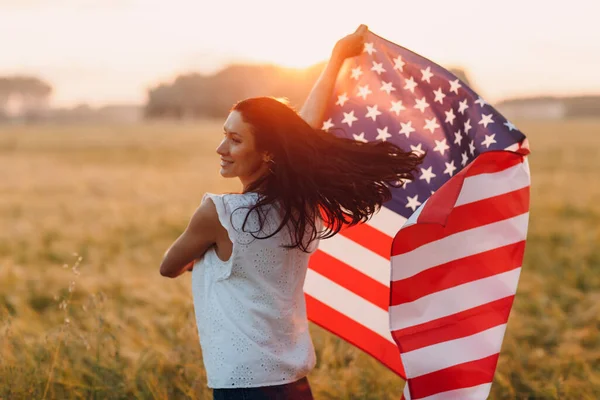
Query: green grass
86, 213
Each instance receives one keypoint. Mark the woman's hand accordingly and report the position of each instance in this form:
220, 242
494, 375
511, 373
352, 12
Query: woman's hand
351, 45
315, 105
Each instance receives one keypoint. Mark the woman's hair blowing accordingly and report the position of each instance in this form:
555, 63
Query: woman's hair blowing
315, 172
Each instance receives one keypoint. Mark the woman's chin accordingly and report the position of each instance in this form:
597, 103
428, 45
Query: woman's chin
225, 173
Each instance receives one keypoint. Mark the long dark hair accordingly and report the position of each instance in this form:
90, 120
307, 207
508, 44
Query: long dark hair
315, 174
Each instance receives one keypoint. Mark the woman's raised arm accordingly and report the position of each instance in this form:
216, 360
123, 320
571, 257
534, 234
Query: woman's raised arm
314, 107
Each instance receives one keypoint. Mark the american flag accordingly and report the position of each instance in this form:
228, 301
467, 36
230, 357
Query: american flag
434, 308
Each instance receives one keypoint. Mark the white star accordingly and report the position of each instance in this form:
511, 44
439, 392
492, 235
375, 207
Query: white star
327, 124
450, 168
421, 104
360, 138
454, 85
457, 137
377, 67
486, 119
356, 73
467, 127
439, 95
410, 84
404, 183
364, 91
465, 159
426, 74
398, 63
489, 139
382, 134
417, 149
481, 102
431, 124
369, 48
397, 106
387, 87
462, 106
407, 128
372, 112
427, 174
441, 146
341, 100
349, 118
510, 125
450, 116
472, 147
413, 202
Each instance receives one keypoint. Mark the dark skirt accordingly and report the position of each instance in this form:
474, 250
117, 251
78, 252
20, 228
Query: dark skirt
299, 390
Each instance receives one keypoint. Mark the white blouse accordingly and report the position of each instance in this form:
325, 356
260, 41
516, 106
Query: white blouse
250, 310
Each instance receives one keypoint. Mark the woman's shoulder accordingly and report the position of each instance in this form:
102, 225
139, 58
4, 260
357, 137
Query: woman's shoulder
231, 198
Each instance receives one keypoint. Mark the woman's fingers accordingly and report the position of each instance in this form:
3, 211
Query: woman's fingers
362, 29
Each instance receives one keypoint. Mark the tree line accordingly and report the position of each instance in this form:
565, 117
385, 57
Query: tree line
199, 96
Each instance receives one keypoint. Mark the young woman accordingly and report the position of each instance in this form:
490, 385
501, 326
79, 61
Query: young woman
249, 251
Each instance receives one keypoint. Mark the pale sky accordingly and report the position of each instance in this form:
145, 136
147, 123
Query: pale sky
111, 51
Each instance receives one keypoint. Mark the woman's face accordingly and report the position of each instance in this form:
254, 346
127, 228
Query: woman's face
239, 156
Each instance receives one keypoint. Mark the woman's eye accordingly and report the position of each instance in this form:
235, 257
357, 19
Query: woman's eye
233, 138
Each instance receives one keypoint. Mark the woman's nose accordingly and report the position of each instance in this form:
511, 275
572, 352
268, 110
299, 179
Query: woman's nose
221, 149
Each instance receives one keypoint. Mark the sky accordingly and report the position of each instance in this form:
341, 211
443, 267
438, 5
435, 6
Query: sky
111, 51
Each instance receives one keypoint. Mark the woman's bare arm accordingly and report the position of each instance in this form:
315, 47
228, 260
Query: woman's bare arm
314, 107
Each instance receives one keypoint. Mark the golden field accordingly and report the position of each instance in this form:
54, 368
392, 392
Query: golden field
86, 213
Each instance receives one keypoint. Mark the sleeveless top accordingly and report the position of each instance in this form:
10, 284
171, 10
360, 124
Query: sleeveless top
250, 309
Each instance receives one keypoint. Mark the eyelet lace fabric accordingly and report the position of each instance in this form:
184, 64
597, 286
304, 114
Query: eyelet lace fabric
250, 309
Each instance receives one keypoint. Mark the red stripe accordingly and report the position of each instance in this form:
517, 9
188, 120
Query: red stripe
465, 323
439, 206
493, 161
351, 331
348, 277
462, 218
458, 272
371, 238
459, 376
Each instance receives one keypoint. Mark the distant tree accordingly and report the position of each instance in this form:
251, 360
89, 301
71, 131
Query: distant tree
30, 93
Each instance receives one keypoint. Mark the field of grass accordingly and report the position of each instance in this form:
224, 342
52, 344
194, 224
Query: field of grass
86, 214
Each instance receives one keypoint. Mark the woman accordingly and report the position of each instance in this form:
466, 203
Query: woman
249, 251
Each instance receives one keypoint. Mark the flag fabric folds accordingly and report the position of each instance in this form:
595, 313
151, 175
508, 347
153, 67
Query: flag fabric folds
434, 308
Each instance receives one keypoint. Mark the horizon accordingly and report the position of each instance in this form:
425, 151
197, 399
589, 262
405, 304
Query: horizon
122, 48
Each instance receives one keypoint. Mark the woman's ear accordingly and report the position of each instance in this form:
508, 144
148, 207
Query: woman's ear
267, 157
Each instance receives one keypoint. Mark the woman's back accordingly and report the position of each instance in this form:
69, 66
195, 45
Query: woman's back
250, 309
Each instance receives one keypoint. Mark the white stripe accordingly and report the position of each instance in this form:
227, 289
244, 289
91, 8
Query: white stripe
454, 300
453, 352
483, 186
406, 392
471, 393
358, 257
460, 245
346, 302
387, 221
512, 147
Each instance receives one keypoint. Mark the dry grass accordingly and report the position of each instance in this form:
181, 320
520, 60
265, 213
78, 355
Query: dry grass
87, 212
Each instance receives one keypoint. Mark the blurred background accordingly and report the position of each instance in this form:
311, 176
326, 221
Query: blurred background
124, 60
110, 114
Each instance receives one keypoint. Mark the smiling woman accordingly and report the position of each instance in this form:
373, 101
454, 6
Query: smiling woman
253, 247
239, 155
